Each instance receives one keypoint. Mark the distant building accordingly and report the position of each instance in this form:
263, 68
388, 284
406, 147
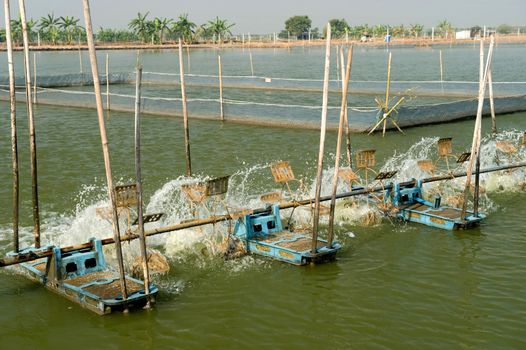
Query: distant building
463, 34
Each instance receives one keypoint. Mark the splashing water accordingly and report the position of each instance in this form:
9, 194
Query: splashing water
205, 244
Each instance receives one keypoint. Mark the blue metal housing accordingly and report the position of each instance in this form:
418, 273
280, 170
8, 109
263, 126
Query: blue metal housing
263, 234
412, 207
83, 277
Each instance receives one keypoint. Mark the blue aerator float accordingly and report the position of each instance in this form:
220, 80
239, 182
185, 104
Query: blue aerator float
263, 234
83, 277
411, 206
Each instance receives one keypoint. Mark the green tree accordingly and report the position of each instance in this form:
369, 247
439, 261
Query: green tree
504, 29
416, 30
338, 28
16, 29
183, 28
298, 25
444, 28
380, 30
49, 28
399, 30
219, 27
140, 26
161, 26
474, 31
70, 27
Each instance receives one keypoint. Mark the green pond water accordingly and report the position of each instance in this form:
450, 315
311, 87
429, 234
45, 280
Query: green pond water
393, 286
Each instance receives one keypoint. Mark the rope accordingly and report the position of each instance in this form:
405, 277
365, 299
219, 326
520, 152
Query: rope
334, 80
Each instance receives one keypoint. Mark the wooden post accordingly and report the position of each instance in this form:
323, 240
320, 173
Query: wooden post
322, 140
32, 135
188, 58
338, 65
347, 129
12, 109
107, 81
475, 147
441, 67
222, 110
251, 61
387, 89
140, 220
80, 59
492, 104
35, 77
338, 148
185, 112
105, 146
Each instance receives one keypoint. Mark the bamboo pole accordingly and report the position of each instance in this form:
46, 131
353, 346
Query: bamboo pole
222, 110
35, 255
322, 140
338, 65
387, 89
188, 58
32, 134
105, 146
185, 113
80, 59
475, 147
338, 147
251, 61
492, 104
140, 220
35, 77
347, 128
14, 138
441, 67
107, 81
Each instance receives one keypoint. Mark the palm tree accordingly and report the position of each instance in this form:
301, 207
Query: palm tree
140, 26
416, 29
16, 30
49, 25
70, 27
380, 30
184, 29
220, 27
162, 24
444, 27
399, 30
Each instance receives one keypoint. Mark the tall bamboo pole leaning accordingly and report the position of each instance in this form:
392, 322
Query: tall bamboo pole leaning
185, 113
105, 146
323, 128
492, 104
347, 128
221, 106
12, 109
338, 147
441, 67
32, 134
475, 146
107, 82
35, 77
387, 89
138, 180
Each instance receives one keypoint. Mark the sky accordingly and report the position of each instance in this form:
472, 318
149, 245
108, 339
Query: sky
268, 16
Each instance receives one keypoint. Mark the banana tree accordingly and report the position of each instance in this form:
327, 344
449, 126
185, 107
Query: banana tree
140, 26
184, 28
70, 27
49, 26
219, 27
